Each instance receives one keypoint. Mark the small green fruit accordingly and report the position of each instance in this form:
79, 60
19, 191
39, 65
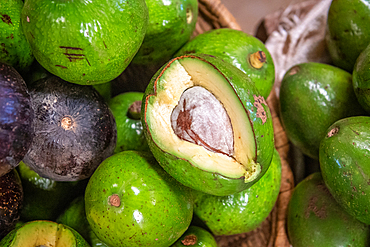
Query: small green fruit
345, 165
196, 236
207, 125
314, 218
244, 51
131, 201
126, 109
244, 211
312, 97
85, 42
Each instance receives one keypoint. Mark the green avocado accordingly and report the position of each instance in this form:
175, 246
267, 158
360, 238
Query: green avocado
345, 165
347, 31
131, 201
360, 77
171, 24
196, 236
14, 47
244, 51
85, 42
312, 97
126, 109
244, 211
44, 198
314, 218
207, 125
74, 216
43, 233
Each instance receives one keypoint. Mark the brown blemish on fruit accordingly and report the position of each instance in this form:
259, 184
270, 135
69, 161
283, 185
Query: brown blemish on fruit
312, 207
261, 113
134, 111
114, 200
66, 123
190, 240
257, 59
6, 18
294, 70
61, 66
333, 132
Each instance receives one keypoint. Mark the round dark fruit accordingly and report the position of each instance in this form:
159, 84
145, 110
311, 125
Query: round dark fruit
74, 130
16, 117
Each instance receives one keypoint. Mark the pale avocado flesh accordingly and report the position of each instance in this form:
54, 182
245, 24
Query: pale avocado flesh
180, 76
43, 233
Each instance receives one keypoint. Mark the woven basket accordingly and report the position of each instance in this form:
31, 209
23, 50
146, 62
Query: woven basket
272, 232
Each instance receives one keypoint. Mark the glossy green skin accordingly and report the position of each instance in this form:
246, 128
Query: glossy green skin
345, 165
244, 211
85, 47
201, 180
347, 31
169, 28
14, 47
312, 97
130, 134
203, 238
74, 216
314, 218
154, 210
45, 198
235, 47
43, 227
360, 77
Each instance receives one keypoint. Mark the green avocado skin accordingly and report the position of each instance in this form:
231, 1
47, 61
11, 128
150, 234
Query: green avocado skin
314, 218
45, 198
243, 211
40, 224
171, 24
347, 31
154, 209
360, 77
130, 133
235, 46
202, 236
14, 47
345, 165
85, 42
312, 97
209, 182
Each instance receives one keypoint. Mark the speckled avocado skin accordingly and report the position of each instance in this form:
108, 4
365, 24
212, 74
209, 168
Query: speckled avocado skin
360, 77
345, 165
314, 218
153, 209
85, 42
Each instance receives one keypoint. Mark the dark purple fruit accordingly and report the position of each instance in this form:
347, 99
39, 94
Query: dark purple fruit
11, 199
16, 117
74, 130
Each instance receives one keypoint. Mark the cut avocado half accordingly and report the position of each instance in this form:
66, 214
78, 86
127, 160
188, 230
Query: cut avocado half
43, 233
201, 117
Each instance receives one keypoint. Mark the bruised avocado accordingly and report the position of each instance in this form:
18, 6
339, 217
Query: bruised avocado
207, 125
43, 233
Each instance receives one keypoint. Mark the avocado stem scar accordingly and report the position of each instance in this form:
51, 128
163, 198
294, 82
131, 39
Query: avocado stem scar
190, 240
67, 123
257, 59
114, 200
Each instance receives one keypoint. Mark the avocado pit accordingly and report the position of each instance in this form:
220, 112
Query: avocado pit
201, 119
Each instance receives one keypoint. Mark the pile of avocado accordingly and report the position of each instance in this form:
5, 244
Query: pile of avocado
82, 163
324, 109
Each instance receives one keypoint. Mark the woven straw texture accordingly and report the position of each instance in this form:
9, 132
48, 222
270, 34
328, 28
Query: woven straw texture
272, 232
